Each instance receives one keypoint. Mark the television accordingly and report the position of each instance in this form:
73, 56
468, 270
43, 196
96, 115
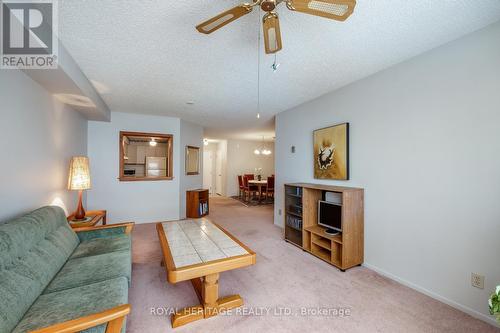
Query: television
330, 216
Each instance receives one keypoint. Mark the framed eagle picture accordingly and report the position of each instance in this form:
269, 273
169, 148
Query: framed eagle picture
331, 152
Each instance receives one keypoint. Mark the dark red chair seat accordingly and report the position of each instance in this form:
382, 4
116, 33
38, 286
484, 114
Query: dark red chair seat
270, 187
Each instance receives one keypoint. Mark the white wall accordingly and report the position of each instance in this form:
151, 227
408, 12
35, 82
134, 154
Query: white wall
39, 135
191, 135
139, 201
425, 143
242, 160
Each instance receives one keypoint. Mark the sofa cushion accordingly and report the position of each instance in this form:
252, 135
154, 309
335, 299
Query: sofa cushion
33, 248
102, 245
53, 308
86, 270
101, 233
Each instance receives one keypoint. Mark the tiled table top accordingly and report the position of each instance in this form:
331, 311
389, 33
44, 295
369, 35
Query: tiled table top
258, 182
199, 241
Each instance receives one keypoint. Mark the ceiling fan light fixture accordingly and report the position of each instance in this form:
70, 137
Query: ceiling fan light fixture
338, 10
268, 5
272, 33
271, 36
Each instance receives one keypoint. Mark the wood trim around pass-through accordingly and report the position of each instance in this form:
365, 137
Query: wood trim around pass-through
170, 155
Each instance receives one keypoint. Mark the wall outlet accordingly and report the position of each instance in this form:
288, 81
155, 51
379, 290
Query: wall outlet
279, 212
477, 280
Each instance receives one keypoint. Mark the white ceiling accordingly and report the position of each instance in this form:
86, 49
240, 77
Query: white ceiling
149, 58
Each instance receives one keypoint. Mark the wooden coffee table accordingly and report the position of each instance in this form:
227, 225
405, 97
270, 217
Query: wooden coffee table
198, 250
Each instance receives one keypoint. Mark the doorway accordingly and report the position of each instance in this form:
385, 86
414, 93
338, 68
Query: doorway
218, 173
208, 169
214, 167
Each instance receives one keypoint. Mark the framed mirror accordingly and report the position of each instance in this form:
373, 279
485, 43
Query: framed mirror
192, 160
145, 156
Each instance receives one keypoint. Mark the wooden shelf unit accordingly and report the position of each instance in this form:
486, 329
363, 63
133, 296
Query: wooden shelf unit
345, 250
197, 203
293, 215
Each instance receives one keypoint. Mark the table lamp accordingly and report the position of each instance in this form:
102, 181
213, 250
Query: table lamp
79, 180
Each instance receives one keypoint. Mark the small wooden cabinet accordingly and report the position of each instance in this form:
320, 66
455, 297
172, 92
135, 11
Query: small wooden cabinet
197, 203
345, 250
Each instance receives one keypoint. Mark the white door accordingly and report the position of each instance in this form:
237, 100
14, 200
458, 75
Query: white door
208, 170
218, 173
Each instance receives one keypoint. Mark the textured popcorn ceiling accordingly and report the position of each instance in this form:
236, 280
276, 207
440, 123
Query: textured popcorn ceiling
148, 58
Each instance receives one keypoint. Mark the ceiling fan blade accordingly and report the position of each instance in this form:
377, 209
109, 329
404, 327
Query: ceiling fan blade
222, 19
272, 33
338, 10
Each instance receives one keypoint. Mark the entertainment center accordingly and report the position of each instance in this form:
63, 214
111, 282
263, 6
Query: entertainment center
311, 209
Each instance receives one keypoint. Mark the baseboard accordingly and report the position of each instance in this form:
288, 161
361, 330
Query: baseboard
469, 311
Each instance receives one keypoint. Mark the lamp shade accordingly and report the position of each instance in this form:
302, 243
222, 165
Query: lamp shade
79, 173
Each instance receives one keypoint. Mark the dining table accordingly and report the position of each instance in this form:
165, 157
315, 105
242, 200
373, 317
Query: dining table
260, 184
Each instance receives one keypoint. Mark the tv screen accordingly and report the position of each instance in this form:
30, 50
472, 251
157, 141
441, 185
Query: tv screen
330, 215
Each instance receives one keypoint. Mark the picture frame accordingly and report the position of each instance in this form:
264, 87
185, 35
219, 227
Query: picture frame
331, 152
192, 165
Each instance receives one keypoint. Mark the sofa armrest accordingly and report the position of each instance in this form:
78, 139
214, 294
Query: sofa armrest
87, 233
113, 317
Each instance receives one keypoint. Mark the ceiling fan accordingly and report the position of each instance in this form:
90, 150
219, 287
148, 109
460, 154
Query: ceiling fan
338, 10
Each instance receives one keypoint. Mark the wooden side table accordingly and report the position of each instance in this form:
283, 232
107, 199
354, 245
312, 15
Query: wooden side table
95, 216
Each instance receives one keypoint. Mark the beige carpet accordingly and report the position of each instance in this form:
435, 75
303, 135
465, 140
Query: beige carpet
284, 279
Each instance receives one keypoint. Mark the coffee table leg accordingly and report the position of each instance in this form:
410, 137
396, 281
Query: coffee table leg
187, 315
229, 302
210, 294
207, 290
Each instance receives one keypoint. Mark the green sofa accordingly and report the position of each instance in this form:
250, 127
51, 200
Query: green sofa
52, 277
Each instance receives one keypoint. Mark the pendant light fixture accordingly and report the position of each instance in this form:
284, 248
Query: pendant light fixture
263, 149
258, 73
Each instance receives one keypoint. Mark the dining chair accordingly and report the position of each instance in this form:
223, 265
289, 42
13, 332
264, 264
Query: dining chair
250, 176
240, 185
270, 187
248, 189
